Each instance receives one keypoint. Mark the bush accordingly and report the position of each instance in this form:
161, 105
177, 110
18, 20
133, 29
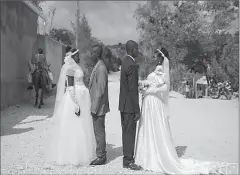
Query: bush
112, 63
87, 66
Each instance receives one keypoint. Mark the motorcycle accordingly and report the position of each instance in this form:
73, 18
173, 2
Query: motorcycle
217, 89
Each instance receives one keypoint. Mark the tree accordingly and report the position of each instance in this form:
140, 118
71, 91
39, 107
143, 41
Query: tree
51, 14
229, 61
195, 33
118, 50
175, 30
62, 35
85, 34
159, 26
107, 58
86, 40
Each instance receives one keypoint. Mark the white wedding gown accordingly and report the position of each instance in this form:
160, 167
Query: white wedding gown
155, 150
73, 140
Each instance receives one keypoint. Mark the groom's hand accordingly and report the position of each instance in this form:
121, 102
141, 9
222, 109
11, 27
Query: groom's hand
137, 117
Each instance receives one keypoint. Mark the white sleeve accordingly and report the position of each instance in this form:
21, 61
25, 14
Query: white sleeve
72, 93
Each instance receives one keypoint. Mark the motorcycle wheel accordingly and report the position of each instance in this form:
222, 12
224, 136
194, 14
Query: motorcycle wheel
228, 95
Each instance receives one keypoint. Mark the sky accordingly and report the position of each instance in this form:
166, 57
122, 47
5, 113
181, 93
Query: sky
111, 21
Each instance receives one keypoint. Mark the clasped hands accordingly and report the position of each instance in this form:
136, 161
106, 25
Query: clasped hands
143, 86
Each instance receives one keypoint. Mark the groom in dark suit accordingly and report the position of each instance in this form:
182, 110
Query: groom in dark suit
98, 88
129, 103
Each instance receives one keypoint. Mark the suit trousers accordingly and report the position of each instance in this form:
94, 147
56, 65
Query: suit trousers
128, 136
100, 135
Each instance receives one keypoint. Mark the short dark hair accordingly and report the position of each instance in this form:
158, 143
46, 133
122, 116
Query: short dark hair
130, 45
165, 52
68, 49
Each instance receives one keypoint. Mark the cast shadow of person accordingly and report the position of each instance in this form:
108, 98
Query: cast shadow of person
14, 116
113, 152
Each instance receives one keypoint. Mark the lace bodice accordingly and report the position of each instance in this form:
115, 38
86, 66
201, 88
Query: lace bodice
78, 88
78, 77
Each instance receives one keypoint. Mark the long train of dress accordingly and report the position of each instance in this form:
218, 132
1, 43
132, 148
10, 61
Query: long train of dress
155, 150
73, 140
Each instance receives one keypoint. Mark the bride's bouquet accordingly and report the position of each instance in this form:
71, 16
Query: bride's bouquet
143, 85
151, 81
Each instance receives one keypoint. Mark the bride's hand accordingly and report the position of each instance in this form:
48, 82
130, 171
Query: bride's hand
144, 92
78, 112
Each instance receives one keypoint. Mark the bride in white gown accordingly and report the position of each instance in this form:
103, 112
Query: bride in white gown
73, 140
155, 150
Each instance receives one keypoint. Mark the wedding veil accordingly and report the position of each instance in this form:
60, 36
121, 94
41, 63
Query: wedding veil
70, 68
167, 72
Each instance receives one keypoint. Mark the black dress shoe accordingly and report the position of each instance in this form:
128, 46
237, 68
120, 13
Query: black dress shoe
132, 166
99, 161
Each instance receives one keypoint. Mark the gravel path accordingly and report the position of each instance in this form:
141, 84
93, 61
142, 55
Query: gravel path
202, 129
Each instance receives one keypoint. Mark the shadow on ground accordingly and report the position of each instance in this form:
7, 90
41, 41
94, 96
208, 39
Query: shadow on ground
113, 153
16, 114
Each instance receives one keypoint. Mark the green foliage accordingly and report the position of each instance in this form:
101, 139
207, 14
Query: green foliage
177, 74
86, 40
107, 58
87, 66
64, 35
194, 33
229, 61
118, 50
111, 61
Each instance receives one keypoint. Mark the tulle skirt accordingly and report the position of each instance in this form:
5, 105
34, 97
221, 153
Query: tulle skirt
155, 150
72, 139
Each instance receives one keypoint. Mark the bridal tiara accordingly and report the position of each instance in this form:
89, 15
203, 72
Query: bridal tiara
75, 52
69, 56
161, 52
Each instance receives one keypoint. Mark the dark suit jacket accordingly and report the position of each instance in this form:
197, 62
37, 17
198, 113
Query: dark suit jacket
129, 96
98, 88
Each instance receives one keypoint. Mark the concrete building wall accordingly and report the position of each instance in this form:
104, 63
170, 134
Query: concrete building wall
19, 42
18, 35
54, 55
54, 52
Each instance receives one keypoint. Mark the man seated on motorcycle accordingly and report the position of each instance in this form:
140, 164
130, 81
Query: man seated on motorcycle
39, 63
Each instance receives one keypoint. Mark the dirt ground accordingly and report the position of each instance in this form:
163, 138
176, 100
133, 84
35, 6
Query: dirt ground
203, 129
